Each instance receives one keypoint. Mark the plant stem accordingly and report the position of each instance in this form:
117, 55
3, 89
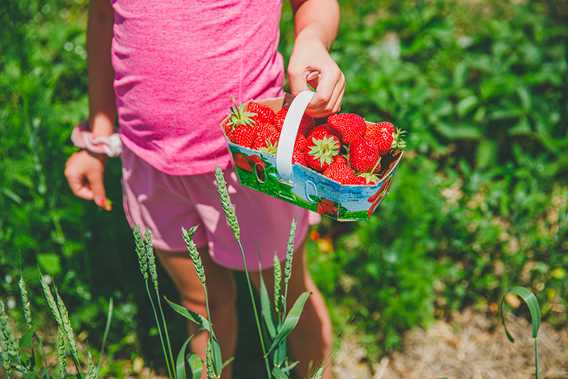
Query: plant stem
536, 358
252, 299
170, 372
165, 325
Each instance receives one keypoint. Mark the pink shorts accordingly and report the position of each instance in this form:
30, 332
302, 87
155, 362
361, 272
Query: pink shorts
164, 203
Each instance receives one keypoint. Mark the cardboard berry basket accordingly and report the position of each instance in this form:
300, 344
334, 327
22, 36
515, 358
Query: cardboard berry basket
277, 176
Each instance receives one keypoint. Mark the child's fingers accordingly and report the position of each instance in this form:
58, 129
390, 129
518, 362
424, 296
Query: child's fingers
329, 81
79, 185
97, 185
335, 102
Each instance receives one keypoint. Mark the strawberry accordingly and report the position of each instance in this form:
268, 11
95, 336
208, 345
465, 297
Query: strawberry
323, 146
266, 138
299, 150
306, 124
326, 206
237, 117
340, 171
261, 113
349, 125
385, 136
242, 162
244, 135
364, 156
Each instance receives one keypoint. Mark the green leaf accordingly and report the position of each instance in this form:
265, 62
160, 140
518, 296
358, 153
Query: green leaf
26, 340
318, 374
291, 321
50, 263
459, 132
278, 373
266, 309
486, 153
180, 360
195, 365
534, 309
196, 318
466, 105
217, 357
105, 333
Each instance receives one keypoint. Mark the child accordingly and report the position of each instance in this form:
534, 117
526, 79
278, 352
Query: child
168, 70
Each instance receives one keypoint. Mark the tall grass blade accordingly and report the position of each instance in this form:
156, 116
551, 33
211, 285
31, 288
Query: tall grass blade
291, 320
318, 374
195, 365
534, 310
266, 309
202, 322
105, 334
180, 361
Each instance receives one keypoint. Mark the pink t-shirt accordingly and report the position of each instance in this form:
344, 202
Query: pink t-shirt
177, 64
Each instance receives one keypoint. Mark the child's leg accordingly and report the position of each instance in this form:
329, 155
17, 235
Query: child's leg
222, 296
311, 341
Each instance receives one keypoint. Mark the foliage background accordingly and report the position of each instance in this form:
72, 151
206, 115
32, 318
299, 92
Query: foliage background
479, 203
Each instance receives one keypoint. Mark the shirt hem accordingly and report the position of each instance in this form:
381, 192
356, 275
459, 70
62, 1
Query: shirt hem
223, 162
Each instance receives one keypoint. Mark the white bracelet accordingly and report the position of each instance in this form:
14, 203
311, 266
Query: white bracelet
83, 138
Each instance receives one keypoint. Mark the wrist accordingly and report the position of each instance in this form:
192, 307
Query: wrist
101, 126
312, 35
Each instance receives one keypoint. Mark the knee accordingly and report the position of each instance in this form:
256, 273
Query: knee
220, 300
194, 302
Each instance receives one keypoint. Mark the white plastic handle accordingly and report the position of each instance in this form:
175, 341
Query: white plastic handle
288, 134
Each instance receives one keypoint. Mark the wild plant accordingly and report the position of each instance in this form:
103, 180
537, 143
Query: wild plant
23, 356
274, 322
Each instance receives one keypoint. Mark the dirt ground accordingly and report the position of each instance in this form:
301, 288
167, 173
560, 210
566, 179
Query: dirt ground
468, 347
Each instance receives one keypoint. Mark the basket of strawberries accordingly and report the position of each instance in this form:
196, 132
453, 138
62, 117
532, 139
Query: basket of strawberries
341, 167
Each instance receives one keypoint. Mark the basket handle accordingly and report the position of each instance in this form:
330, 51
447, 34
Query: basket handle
288, 134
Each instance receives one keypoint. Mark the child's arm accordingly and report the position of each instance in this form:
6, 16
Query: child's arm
84, 170
316, 24
102, 108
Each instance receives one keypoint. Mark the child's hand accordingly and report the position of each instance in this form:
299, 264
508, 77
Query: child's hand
85, 174
311, 63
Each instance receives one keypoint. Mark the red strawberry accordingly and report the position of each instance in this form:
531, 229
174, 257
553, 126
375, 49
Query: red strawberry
266, 138
237, 117
244, 135
385, 136
374, 131
349, 125
323, 146
299, 150
364, 156
361, 181
262, 113
326, 206
242, 162
340, 171
306, 124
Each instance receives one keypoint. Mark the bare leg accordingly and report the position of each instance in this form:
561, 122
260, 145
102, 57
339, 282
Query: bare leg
222, 296
311, 341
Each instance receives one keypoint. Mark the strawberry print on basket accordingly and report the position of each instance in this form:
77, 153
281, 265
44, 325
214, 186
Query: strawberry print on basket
340, 167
